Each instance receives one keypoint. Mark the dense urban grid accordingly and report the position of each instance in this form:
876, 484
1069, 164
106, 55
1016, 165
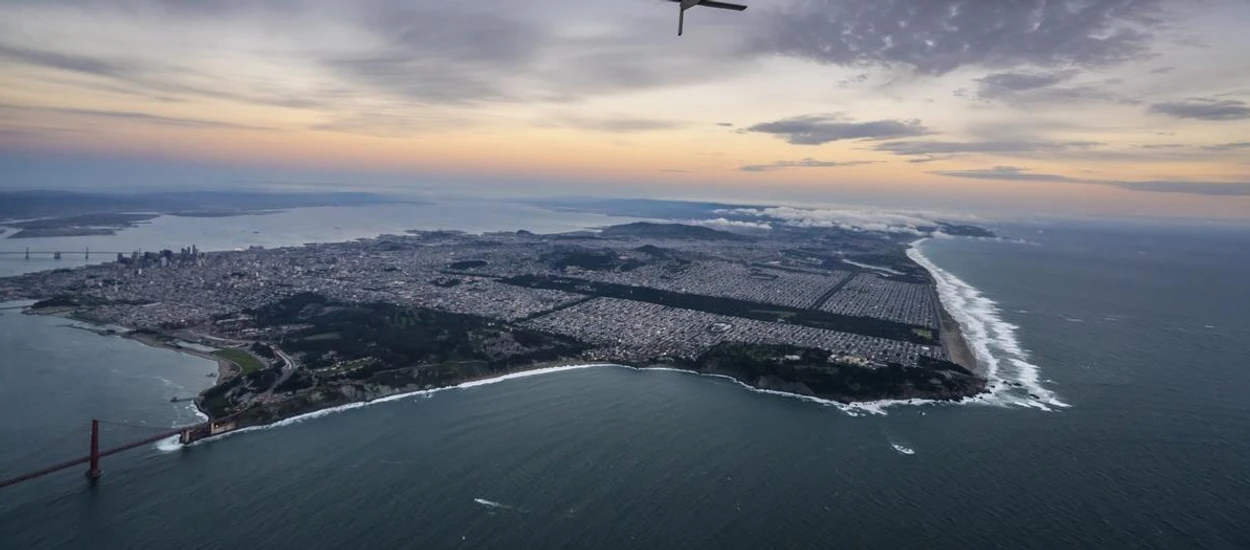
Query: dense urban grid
463, 273
870, 295
432, 308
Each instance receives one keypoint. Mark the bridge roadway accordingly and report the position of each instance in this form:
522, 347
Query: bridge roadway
96, 455
61, 252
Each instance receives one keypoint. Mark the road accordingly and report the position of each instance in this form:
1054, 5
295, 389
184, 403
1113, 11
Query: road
289, 365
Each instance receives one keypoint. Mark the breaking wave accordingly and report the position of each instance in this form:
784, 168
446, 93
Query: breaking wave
1013, 380
169, 444
852, 409
396, 397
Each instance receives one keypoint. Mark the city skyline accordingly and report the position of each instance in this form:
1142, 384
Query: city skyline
1128, 107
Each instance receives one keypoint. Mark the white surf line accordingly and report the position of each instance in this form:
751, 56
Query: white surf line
852, 409
405, 395
1013, 379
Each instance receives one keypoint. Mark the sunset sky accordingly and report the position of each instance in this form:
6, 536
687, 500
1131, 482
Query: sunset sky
1122, 107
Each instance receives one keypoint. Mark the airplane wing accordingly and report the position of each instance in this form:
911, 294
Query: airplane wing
687, 4
722, 5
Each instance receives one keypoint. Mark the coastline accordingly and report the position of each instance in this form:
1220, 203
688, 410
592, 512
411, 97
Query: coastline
956, 344
954, 338
350, 396
953, 334
538, 369
990, 340
225, 367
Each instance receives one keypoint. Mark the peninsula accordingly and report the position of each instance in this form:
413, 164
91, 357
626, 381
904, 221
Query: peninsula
833, 313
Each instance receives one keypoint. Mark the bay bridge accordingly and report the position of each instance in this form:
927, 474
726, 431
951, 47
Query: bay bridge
57, 254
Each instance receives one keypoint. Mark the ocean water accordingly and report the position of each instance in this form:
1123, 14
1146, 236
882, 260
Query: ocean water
1131, 341
54, 378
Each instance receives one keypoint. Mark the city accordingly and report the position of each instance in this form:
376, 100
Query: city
794, 308
461, 273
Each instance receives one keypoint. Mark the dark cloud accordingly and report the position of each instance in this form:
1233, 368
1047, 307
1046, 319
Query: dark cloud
805, 163
1002, 147
453, 52
1203, 108
726, 124
1188, 150
818, 129
1022, 88
857, 79
67, 61
425, 54
939, 36
159, 83
1003, 173
36, 132
131, 115
1013, 173
999, 83
1236, 189
441, 53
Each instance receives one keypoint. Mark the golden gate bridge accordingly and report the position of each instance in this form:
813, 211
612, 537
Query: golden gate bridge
95, 451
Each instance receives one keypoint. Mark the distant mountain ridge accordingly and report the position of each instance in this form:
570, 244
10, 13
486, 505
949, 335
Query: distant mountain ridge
671, 231
39, 203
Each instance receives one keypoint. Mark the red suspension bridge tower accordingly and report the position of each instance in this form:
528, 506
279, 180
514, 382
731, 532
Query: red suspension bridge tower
92, 459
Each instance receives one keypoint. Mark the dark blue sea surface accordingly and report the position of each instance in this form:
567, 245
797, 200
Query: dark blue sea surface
1137, 437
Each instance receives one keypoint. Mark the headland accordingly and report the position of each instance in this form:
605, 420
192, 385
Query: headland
829, 313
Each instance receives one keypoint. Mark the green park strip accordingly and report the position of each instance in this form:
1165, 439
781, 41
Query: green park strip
243, 359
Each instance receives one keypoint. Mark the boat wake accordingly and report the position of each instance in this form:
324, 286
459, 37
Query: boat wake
497, 505
1013, 380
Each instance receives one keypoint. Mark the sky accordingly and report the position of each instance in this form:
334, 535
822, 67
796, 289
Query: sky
1082, 107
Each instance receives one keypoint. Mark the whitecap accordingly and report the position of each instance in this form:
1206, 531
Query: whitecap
1013, 379
168, 445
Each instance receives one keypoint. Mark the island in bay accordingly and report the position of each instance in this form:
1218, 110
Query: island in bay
839, 314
